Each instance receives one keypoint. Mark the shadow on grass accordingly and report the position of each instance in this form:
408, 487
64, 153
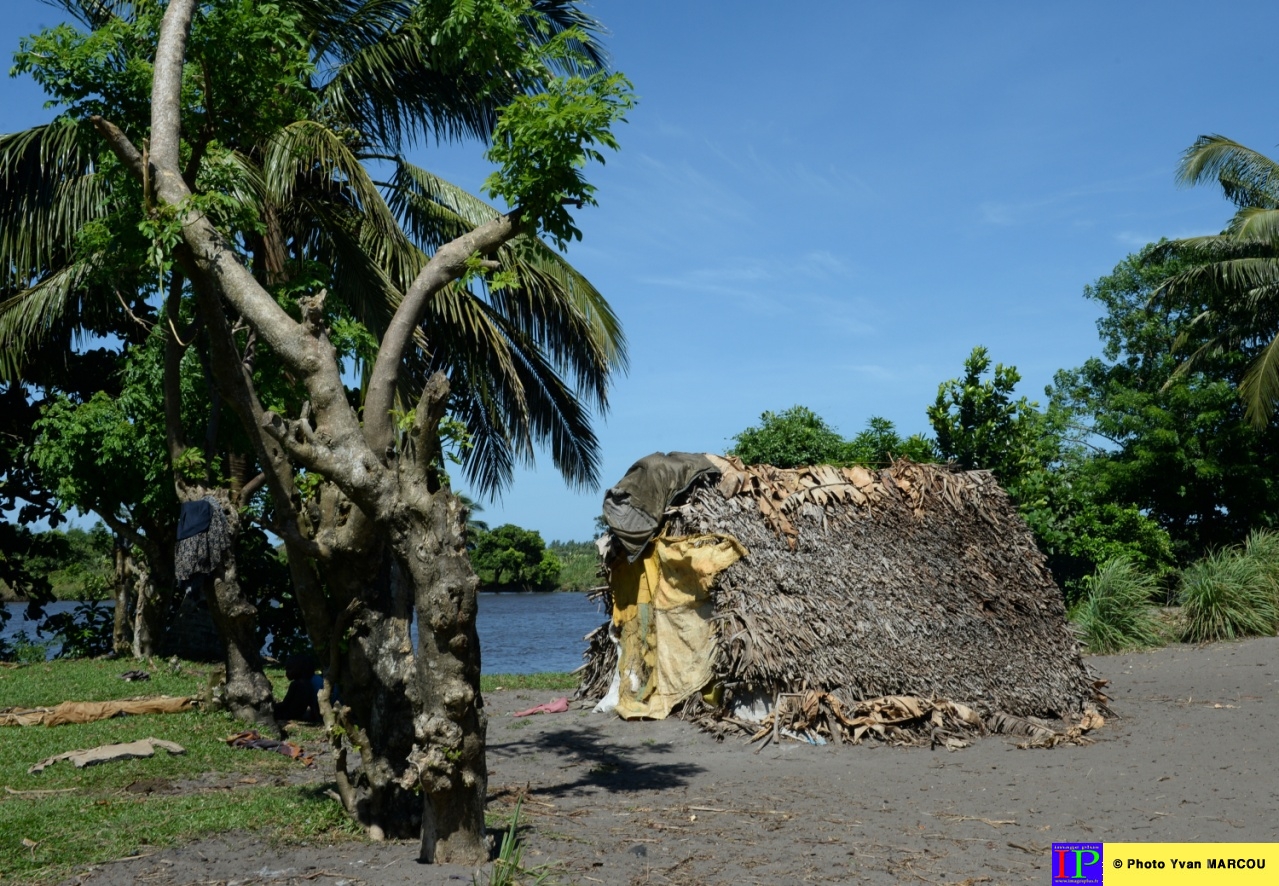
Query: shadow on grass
608, 765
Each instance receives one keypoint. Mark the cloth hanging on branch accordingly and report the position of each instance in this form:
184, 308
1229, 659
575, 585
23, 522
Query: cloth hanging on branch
203, 539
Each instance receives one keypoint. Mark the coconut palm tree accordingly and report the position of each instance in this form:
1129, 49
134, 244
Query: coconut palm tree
529, 359
1236, 280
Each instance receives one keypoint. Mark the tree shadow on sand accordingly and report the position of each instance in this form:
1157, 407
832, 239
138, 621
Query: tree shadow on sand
598, 762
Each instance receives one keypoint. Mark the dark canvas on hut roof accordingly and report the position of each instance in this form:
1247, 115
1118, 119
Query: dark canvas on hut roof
917, 580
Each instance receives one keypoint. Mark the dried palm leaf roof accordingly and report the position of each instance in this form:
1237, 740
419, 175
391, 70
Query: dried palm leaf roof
914, 580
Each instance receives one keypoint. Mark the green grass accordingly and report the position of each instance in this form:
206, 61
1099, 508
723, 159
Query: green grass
98, 820
1228, 594
223, 789
554, 680
1115, 612
48, 683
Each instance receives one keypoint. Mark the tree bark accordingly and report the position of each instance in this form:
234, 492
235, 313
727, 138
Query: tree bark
120, 592
435, 692
248, 691
454, 728
378, 687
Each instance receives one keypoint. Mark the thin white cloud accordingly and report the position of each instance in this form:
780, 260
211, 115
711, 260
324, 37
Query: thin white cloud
1054, 206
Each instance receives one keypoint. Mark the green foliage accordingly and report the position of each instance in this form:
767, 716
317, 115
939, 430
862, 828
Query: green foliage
579, 564
795, 437
1175, 446
800, 437
84, 632
1048, 472
1262, 547
508, 868
542, 142
1115, 613
879, 445
253, 53
24, 650
77, 563
511, 558
979, 425
1228, 594
1238, 270
549, 680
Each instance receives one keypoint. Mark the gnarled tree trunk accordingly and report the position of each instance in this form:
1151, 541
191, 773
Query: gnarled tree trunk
391, 479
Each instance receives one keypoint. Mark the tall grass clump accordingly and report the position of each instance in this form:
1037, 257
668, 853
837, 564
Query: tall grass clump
1262, 547
1115, 612
1229, 593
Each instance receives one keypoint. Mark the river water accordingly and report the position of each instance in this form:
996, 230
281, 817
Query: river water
519, 633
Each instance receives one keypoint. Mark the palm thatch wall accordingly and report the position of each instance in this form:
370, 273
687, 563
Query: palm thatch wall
915, 580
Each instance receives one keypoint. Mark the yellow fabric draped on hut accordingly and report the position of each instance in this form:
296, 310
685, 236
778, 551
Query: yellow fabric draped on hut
662, 607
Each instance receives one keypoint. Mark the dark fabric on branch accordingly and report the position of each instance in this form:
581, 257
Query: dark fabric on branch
204, 552
633, 508
194, 518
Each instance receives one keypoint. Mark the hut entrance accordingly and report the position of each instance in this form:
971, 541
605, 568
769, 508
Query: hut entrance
662, 614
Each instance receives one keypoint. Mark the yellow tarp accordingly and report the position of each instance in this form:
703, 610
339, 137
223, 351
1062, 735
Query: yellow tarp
662, 606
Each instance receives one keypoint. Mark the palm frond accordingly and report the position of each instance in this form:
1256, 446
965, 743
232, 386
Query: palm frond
556, 305
1220, 282
93, 14
1247, 178
48, 192
560, 15
308, 161
383, 72
27, 318
1255, 225
392, 91
1259, 388
512, 399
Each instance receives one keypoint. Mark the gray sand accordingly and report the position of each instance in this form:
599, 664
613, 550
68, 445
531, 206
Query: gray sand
1190, 757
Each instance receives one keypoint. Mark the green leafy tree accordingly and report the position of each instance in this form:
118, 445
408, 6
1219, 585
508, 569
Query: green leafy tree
798, 436
499, 363
512, 558
979, 425
1172, 441
580, 564
879, 445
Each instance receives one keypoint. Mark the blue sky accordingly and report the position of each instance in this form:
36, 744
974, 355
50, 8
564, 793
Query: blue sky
831, 203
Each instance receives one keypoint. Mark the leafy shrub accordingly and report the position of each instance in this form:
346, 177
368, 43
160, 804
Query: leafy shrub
1115, 612
1228, 594
21, 648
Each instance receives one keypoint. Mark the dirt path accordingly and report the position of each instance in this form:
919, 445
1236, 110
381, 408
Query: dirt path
1192, 758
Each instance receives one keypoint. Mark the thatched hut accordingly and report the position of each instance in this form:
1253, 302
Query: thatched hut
919, 583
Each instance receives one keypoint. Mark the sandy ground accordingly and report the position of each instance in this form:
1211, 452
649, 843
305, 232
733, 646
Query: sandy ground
1190, 758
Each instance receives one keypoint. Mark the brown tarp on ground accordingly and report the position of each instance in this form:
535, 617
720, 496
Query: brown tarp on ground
90, 711
109, 753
